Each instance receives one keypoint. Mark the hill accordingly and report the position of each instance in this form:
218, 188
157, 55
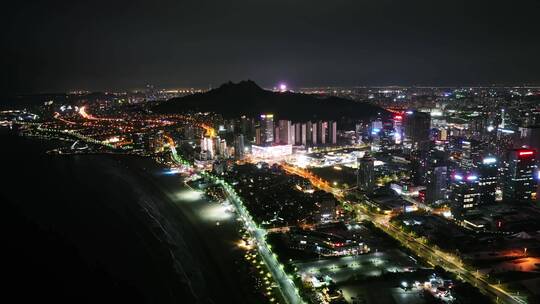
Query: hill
247, 98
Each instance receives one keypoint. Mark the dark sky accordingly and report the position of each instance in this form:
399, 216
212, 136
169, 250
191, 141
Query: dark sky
59, 45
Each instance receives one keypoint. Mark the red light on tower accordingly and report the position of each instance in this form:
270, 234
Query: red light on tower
398, 117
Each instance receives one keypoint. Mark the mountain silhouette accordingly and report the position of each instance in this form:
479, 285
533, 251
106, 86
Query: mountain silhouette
247, 98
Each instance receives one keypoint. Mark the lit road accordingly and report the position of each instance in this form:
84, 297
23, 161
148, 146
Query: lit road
315, 180
449, 262
286, 284
432, 255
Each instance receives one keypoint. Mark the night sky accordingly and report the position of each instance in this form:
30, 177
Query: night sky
59, 45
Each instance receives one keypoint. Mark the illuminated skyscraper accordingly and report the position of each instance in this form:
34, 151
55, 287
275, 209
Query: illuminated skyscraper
398, 128
417, 126
267, 129
366, 173
239, 147
530, 137
519, 183
285, 132
436, 183
488, 175
465, 193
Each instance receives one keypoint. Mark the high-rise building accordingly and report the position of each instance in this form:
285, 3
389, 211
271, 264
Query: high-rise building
258, 136
417, 126
267, 129
207, 148
488, 175
314, 136
303, 141
470, 154
309, 133
465, 193
519, 183
239, 147
322, 131
285, 132
418, 167
223, 149
217, 145
530, 137
332, 132
297, 133
366, 173
436, 183
398, 128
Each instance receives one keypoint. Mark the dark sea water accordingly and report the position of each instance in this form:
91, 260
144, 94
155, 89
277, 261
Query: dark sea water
103, 229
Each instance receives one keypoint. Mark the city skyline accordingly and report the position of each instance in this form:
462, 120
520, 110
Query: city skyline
278, 152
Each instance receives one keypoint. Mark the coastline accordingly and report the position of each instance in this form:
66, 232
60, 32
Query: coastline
151, 242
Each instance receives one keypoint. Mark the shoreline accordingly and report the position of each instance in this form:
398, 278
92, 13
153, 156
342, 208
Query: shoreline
201, 259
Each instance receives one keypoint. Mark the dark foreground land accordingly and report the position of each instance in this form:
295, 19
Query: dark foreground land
89, 229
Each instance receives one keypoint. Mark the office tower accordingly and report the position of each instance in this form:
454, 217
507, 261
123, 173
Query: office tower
246, 126
470, 154
267, 129
436, 183
519, 183
332, 132
488, 176
530, 137
366, 173
418, 167
465, 193
285, 132
417, 126
239, 147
